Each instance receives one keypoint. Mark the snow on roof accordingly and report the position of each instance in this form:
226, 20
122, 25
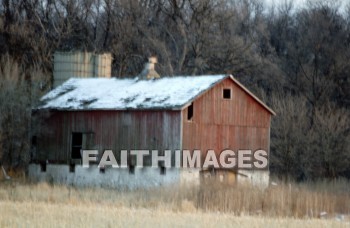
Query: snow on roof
121, 94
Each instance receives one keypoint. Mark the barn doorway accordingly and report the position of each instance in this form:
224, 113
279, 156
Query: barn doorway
77, 145
80, 141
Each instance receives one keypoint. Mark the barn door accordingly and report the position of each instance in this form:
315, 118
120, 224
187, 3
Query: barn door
88, 141
79, 142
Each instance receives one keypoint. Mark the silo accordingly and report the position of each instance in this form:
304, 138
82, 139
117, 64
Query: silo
81, 65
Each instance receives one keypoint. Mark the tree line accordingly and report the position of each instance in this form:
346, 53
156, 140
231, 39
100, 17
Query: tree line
295, 58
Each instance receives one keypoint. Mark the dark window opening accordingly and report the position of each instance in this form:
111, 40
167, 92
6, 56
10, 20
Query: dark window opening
43, 167
102, 169
190, 112
72, 168
131, 169
77, 144
34, 140
226, 93
162, 170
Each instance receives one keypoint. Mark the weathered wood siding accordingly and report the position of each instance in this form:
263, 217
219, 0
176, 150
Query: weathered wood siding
218, 124
108, 130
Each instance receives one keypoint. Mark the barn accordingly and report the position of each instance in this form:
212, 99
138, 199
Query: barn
209, 112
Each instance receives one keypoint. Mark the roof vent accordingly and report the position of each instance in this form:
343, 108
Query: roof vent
149, 72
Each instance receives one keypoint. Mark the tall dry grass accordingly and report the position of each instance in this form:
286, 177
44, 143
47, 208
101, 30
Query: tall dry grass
292, 200
41, 214
307, 200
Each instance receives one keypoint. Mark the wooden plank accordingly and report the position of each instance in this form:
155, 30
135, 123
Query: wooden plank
114, 130
239, 123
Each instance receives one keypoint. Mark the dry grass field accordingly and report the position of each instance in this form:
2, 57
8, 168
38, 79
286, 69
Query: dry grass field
40, 214
320, 204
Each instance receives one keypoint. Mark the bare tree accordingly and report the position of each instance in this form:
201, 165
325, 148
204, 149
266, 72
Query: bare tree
17, 94
299, 57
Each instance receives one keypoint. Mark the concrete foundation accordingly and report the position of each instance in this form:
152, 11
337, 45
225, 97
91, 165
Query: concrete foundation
123, 178
120, 178
190, 177
257, 178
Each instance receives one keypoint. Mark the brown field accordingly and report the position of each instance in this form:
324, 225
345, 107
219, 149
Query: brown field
297, 205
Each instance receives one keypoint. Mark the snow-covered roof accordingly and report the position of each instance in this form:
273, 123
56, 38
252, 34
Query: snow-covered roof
121, 94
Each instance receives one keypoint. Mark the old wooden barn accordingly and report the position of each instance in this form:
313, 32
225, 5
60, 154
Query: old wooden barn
213, 112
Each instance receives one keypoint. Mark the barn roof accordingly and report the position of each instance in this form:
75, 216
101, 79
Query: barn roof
122, 94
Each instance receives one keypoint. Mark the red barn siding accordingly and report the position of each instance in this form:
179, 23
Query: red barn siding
218, 124
115, 130
237, 123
